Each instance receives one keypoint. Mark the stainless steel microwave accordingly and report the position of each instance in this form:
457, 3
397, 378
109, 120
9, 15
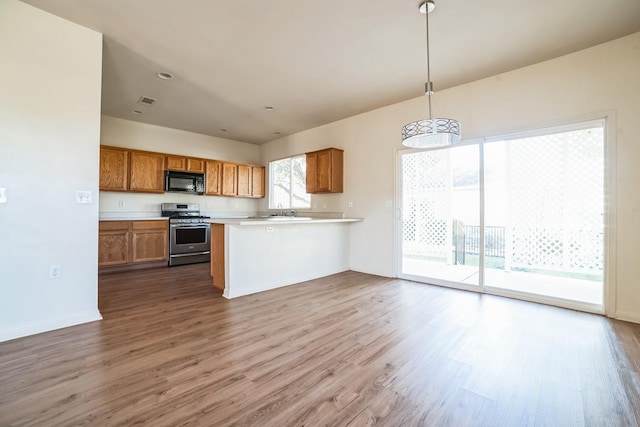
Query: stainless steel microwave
184, 182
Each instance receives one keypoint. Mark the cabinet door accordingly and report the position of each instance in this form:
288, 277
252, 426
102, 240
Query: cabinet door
113, 242
149, 241
146, 172
214, 178
257, 181
324, 171
229, 181
244, 181
195, 165
176, 163
312, 172
114, 166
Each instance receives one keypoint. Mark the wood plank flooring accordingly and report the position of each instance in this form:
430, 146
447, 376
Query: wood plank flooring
347, 350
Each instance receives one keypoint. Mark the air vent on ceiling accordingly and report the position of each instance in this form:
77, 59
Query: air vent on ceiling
146, 100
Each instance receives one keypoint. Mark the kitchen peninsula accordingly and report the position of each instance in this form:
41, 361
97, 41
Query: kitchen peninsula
250, 255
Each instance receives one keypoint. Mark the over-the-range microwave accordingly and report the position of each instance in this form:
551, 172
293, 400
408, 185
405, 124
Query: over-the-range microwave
184, 182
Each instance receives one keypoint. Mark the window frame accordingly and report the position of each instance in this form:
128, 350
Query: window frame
272, 181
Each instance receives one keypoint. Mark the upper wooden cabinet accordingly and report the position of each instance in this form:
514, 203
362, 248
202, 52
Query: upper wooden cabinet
184, 164
244, 181
147, 172
325, 171
213, 171
114, 169
257, 181
229, 179
144, 172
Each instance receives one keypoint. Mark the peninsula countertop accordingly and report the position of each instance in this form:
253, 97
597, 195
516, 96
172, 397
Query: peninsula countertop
279, 220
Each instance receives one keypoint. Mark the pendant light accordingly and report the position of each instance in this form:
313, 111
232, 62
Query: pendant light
432, 132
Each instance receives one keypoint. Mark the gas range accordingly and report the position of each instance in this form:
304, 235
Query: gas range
189, 233
183, 213
188, 219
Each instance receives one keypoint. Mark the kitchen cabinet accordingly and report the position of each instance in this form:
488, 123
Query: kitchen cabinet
149, 241
130, 242
229, 179
243, 188
325, 171
213, 171
114, 169
257, 181
113, 242
184, 164
146, 172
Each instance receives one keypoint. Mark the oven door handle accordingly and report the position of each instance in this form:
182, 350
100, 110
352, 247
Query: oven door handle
189, 225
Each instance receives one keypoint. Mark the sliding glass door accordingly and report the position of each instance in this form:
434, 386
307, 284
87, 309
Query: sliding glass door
441, 216
545, 193
516, 216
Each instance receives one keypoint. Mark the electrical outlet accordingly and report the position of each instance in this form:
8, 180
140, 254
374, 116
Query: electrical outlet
350, 204
55, 272
121, 203
268, 229
3, 195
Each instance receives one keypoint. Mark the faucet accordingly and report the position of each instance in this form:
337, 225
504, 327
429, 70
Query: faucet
280, 211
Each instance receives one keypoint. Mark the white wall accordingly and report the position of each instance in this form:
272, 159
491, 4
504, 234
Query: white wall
584, 85
50, 80
140, 136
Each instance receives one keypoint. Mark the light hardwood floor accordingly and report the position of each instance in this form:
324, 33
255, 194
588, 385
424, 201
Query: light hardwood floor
350, 349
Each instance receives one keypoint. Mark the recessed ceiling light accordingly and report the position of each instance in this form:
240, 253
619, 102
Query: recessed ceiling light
269, 108
136, 111
223, 130
277, 133
164, 75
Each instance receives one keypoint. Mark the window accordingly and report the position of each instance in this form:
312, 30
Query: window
287, 183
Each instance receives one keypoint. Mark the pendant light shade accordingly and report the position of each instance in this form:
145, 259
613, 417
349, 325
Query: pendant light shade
429, 133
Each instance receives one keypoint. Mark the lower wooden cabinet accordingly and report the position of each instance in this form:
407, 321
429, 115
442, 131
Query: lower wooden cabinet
149, 241
114, 239
130, 242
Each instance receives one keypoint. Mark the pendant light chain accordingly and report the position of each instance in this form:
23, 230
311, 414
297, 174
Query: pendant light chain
428, 86
430, 133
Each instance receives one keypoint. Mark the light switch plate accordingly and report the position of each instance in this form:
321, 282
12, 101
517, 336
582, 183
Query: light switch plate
84, 197
3, 195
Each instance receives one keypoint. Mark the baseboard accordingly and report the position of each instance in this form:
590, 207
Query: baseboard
50, 325
628, 317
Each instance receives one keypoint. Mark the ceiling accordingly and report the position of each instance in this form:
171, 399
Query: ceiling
317, 61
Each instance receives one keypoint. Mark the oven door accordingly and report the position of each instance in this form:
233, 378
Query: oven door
188, 238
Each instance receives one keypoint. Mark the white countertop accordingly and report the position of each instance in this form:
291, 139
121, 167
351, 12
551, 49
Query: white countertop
155, 218
279, 221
